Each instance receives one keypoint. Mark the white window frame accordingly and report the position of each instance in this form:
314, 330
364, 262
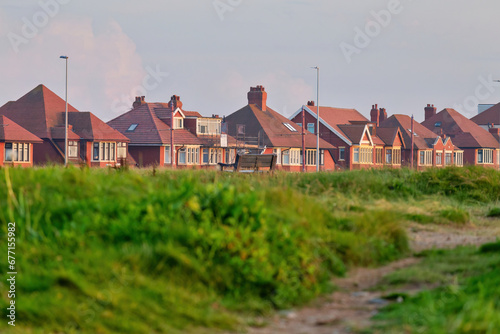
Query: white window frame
277, 151
396, 156
286, 157
294, 156
342, 153
192, 155
446, 155
458, 158
107, 151
311, 157
121, 150
72, 149
208, 126
356, 151
168, 155
439, 158
487, 156
18, 152
178, 123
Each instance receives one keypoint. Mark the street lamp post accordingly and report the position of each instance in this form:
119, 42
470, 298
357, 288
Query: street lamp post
498, 158
317, 118
66, 116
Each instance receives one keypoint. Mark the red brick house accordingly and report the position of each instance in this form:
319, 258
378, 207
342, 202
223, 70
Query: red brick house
429, 149
357, 145
198, 141
490, 121
16, 144
480, 147
259, 126
489, 118
42, 113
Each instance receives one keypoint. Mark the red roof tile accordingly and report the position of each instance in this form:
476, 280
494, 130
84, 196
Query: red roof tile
492, 115
37, 111
59, 133
13, 132
89, 127
150, 129
464, 132
273, 125
388, 135
403, 122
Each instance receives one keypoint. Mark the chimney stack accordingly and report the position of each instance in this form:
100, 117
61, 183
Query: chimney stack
257, 95
310, 103
493, 130
430, 111
382, 116
139, 100
375, 114
175, 102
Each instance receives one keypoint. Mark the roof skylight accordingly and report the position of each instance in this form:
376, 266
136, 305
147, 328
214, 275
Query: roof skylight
289, 127
132, 127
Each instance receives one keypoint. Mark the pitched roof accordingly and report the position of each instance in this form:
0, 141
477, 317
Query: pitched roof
273, 124
58, 132
388, 135
464, 132
37, 111
13, 132
150, 129
421, 133
89, 127
355, 133
333, 117
491, 115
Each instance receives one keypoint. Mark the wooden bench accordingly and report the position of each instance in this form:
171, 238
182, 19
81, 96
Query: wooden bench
249, 163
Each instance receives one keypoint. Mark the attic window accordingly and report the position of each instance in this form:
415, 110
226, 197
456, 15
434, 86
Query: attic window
290, 127
437, 124
132, 128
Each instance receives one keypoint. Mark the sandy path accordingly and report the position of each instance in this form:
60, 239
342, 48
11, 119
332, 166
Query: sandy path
352, 306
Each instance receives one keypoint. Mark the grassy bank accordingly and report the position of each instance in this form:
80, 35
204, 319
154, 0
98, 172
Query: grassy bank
467, 300
107, 251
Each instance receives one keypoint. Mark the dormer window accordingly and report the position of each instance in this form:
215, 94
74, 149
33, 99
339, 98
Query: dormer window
178, 123
289, 127
209, 126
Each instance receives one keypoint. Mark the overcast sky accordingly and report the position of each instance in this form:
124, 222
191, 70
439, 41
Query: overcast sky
440, 52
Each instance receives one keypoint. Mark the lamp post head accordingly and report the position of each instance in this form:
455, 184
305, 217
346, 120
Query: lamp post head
64, 57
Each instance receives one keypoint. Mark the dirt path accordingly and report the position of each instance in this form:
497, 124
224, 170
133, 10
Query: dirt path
352, 306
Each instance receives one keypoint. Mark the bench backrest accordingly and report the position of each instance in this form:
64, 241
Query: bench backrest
255, 161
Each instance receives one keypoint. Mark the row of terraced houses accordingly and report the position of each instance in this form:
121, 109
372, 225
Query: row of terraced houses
165, 134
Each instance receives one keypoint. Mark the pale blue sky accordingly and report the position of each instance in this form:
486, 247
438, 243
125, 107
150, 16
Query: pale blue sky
428, 52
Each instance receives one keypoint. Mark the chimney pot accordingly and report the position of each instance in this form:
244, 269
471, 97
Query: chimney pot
175, 102
375, 114
430, 111
258, 96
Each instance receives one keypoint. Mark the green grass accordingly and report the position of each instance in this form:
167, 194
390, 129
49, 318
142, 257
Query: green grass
467, 300
107, 251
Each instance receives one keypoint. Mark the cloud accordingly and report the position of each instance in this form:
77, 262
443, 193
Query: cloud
103, 63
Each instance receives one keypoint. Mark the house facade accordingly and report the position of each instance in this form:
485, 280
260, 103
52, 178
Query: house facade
354, 137
266, 131
198, 142
16, 144
42, 113
429, 149
479, 146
